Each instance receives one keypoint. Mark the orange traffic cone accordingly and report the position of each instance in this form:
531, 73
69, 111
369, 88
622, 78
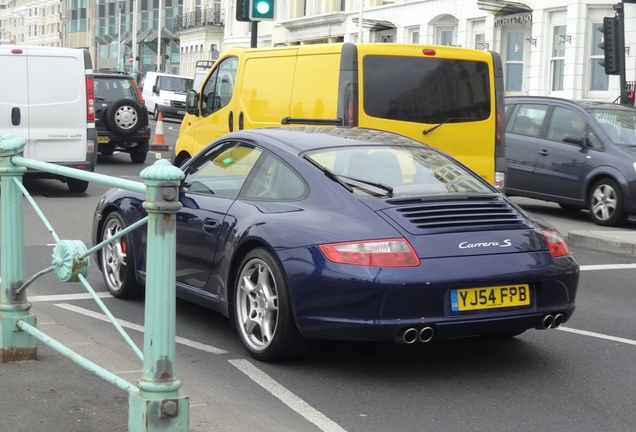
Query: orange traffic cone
159, 143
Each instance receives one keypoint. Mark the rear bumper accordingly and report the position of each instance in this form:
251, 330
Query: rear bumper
378, 304
139, 141
172, 112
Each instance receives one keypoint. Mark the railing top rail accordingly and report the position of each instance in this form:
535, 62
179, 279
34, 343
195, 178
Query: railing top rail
81, 175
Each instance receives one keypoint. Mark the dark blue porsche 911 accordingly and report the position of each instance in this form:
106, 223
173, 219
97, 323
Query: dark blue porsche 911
307, 234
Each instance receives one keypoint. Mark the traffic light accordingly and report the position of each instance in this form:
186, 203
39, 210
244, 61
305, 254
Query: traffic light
610, 46
242, 10
261, 10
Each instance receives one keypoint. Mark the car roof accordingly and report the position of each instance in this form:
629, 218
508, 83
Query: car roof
586, 104
301, 139
109, 73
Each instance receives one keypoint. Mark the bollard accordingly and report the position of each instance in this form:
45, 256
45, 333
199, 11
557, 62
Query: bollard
159, 406
15, 345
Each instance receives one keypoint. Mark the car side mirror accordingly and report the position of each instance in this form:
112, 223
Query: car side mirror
574, 139
192, 102
155, 89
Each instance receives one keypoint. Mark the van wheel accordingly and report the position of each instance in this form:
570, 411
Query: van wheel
124, 117
78, 186
606, 203
138, 157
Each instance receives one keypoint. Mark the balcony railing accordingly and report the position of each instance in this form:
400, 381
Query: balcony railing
205, 17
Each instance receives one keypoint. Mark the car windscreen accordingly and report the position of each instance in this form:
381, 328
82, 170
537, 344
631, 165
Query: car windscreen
618, 122
426, 90
397, 171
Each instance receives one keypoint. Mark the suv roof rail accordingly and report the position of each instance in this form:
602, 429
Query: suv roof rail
113, 71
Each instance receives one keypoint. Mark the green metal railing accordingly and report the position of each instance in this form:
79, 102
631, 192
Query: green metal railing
155, 403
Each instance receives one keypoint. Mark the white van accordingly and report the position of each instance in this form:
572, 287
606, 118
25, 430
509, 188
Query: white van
165, 93
47, 98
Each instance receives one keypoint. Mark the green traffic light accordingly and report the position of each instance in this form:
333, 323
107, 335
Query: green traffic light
262, 7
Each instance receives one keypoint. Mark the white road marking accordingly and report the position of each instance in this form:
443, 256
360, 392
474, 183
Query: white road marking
66, 297
137, 327
288, 398
598, 335
607, 267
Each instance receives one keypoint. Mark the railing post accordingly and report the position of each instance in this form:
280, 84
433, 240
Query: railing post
15, 345
159, 406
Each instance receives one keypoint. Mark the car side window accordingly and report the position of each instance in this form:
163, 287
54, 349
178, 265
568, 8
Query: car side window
528, 120
222, 171
565, 122
274, 180
218, 90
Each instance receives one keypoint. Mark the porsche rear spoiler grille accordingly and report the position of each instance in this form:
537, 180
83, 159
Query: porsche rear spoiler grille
468, 212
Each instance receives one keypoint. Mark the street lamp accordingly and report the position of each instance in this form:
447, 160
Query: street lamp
120, 5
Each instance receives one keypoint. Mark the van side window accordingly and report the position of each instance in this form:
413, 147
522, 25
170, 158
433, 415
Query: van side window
218, 90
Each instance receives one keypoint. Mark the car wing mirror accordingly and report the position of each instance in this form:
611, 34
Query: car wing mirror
192, 102
574, 139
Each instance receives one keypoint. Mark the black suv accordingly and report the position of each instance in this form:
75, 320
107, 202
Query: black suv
121, 118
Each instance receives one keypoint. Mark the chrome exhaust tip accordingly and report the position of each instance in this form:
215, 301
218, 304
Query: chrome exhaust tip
558, 320
407, 336
426, 334
546, 322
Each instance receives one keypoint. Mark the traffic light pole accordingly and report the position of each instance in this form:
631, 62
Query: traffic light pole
620, 15
254, 34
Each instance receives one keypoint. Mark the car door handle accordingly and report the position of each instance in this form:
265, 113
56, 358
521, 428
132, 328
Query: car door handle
210, 226
15, 116
544, 152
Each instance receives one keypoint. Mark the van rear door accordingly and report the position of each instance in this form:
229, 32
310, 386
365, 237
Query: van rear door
14, 102
56, 86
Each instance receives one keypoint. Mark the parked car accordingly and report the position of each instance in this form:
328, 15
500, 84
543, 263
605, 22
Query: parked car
579, 154
301, 235
121, 118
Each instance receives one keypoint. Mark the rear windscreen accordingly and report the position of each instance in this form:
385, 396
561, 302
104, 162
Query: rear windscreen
426, 90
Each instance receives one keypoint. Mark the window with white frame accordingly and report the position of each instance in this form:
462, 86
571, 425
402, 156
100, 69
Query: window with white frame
514, 61
445, 35
557, 58
480, 41
413, 35
598, 80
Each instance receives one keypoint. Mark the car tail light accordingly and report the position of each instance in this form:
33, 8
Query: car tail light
557, 246
373, 253
138, 91
90, 99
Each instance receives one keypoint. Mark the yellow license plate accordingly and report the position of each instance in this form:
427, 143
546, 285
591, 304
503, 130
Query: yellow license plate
467, 299
102, 139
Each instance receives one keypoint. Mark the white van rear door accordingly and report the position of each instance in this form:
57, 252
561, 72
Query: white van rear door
57, 96
14, 98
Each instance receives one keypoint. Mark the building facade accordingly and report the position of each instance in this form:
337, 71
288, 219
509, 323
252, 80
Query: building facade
548, 47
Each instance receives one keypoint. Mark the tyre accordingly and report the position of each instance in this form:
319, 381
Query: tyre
606, 203
78, 186
138, 157
116, 260
262, 310
124, 117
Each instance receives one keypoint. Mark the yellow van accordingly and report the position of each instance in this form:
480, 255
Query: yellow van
450, 98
